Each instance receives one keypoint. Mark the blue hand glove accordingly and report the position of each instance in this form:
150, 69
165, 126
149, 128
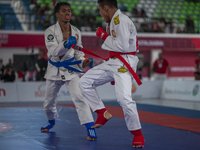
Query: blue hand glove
71, 40
92, 62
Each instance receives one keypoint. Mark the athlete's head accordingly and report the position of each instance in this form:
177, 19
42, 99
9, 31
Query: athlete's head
105, 6
62, 11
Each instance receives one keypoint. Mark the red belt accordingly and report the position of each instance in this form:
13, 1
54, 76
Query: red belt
118, 55
111, 55
114, 54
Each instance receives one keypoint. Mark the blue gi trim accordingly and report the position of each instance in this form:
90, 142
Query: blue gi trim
66, 64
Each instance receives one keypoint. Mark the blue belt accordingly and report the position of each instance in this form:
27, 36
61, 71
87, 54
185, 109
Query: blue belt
66, 64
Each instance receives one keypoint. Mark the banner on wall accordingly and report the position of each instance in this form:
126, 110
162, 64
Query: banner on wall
8, 92
145, 41
35, 91
179, 90
148, 90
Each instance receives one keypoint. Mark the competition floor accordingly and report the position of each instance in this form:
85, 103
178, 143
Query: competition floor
164, 128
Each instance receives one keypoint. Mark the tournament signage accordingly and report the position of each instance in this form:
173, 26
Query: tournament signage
179, 90
162, 41
8, 92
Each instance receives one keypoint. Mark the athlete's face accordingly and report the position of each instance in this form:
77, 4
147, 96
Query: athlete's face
104, 13
64, 13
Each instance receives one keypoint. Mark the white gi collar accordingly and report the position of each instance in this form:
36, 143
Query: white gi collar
116, 13
59, 34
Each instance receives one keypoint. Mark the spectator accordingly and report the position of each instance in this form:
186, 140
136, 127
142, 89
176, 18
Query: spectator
34, 6
138, 25
122, 6
91, 14
162, 18
83, 13
189, 25
92, 24
76, 20
46, 23
145, 26
86, 26
143, 12
160, 67
162, 25
40, 22
41, 66
135, 11
197, 66
169, 26
8, 74
1, 67
181, 27
9, 63
155, 26
44, 9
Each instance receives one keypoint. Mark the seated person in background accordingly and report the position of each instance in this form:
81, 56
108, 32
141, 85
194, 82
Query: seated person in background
197, 66
135, 11
41, 66
160, 67
1, 68
8, 74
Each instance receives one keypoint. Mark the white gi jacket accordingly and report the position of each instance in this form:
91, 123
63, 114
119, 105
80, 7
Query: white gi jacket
122, 39
54, 43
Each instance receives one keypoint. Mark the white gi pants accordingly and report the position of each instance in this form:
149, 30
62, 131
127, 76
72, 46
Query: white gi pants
52, 89
102, 74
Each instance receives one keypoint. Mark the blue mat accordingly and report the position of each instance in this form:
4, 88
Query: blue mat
70, 135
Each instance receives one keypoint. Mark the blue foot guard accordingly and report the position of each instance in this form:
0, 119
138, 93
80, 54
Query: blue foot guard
48, 126
91, 133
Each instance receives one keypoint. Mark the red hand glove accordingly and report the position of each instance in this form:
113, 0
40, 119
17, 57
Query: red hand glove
101, 33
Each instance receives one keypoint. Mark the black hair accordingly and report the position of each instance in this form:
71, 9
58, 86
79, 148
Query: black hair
111, 3
58, 5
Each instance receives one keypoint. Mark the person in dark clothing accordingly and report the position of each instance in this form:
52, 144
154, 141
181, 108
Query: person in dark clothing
41, 66
189, 25
143, 12
1, 67
135, 11
8, 74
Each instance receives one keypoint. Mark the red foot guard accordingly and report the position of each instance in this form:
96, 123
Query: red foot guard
138, 141
102, 117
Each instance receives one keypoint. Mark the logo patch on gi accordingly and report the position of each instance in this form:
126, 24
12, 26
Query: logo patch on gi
76, 36
50, 37
116, 20
62, 77
113, 33
122, 70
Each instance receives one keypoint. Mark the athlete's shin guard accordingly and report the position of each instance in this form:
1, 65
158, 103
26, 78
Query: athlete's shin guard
48, 126
91, 133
